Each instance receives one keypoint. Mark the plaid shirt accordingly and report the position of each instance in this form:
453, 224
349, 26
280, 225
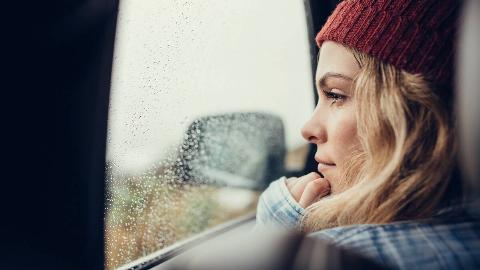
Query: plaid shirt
436, 243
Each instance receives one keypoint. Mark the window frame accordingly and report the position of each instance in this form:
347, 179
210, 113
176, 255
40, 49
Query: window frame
163, 255
316, 15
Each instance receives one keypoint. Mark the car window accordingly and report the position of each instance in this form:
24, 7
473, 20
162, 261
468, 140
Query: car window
207, 101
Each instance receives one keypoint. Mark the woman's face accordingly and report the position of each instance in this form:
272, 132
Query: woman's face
333, 125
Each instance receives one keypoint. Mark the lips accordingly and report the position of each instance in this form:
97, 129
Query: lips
324, 165
324, 161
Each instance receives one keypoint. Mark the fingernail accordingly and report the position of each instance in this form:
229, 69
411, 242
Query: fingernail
321, 181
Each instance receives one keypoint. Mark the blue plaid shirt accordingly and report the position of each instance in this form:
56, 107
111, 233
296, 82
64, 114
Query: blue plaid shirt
436, 243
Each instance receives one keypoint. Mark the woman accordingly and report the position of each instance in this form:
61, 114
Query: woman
385, 135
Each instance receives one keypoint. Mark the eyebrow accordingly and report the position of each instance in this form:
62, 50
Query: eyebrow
322, 80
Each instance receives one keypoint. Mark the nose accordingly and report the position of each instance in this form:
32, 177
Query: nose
314, 130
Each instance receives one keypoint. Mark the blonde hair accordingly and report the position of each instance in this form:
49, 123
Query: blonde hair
407, 152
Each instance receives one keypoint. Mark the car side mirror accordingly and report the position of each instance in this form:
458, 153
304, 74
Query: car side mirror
244, 150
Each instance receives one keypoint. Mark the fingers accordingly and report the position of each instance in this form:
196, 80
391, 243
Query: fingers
299, 186
291, 182
313, 191
308, 188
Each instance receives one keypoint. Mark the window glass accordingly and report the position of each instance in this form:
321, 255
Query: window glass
207, 101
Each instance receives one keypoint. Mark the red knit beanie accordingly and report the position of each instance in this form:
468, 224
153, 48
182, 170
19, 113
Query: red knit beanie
414, 35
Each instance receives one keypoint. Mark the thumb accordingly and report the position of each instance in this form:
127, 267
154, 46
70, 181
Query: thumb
315, 189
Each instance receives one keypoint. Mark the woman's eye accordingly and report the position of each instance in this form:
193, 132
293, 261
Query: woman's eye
334, 97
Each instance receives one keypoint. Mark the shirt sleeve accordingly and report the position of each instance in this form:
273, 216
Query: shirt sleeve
278, 208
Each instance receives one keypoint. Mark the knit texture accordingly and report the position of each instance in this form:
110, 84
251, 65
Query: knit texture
414, 35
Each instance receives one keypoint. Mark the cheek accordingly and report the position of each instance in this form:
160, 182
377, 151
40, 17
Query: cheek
344, 142
346, 135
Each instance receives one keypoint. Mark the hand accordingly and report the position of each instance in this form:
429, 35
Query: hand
308, 189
